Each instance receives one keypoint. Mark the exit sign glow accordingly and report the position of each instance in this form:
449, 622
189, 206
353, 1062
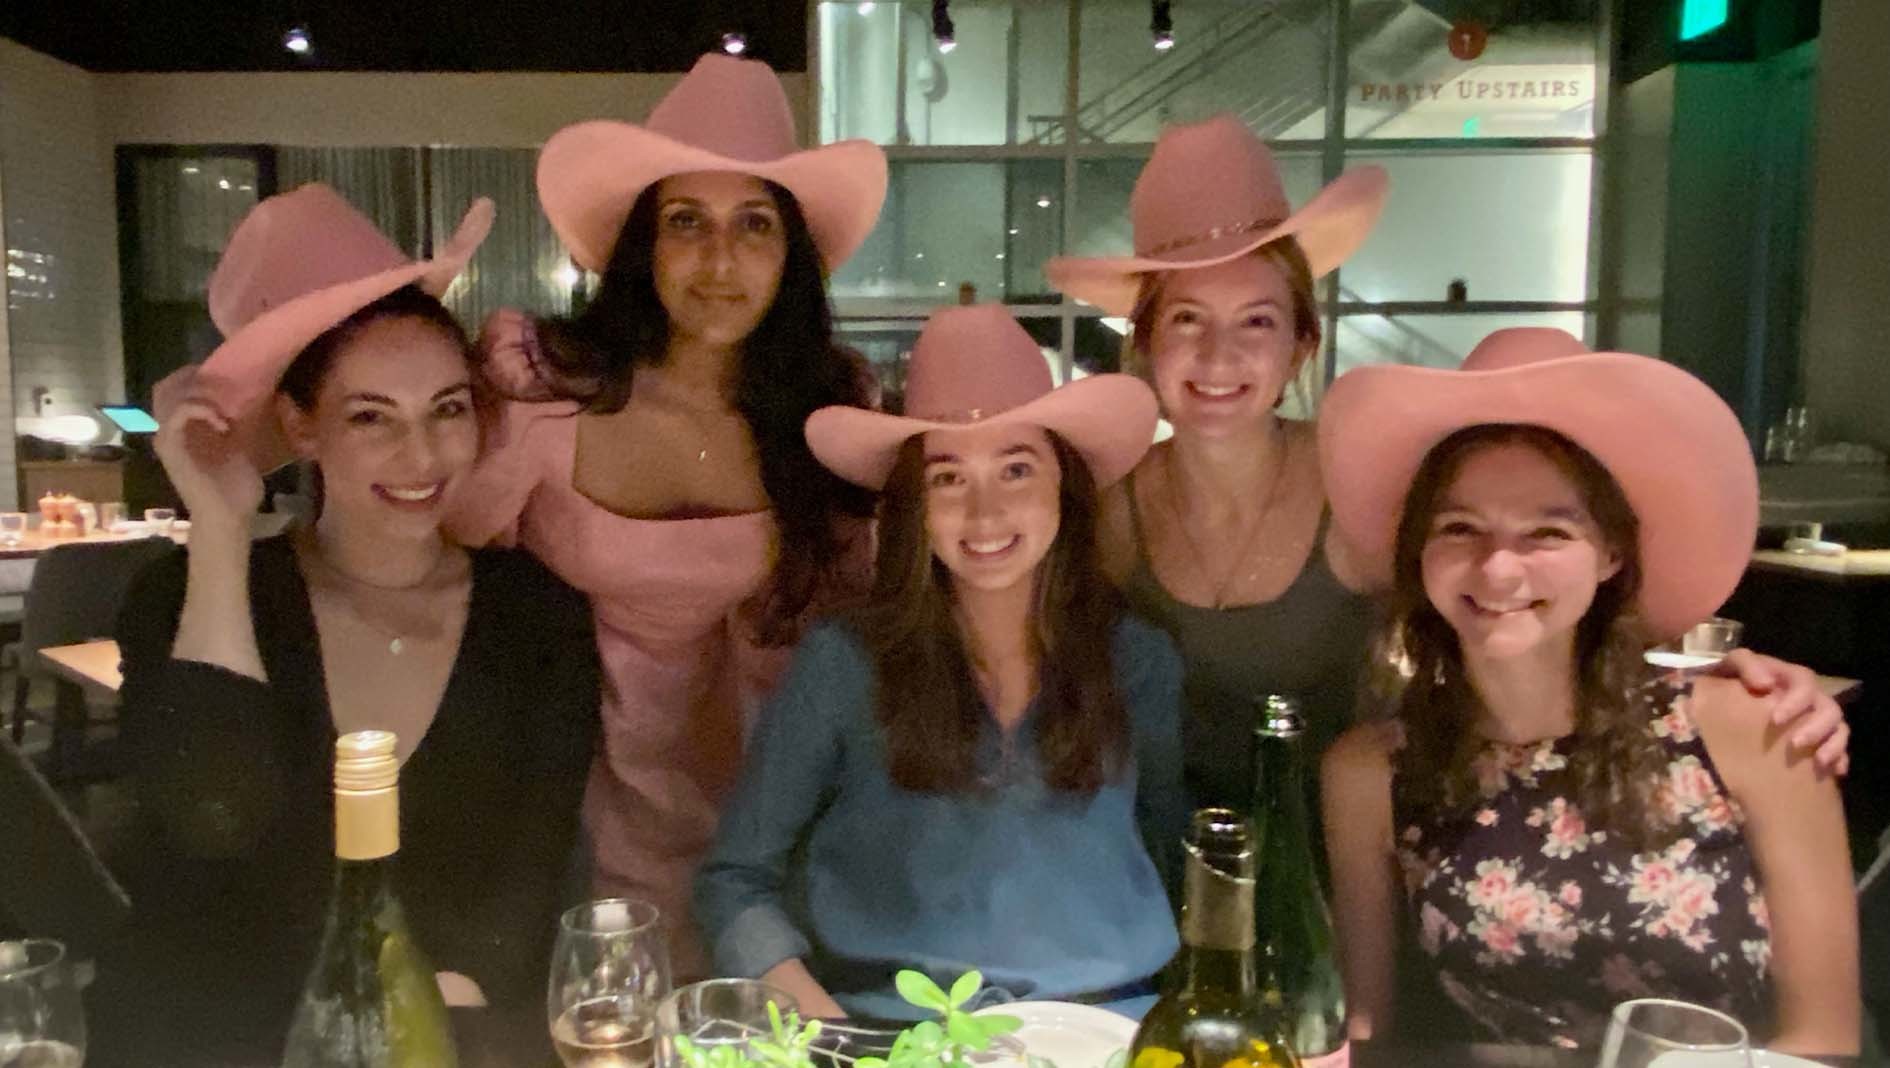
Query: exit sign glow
1699, 17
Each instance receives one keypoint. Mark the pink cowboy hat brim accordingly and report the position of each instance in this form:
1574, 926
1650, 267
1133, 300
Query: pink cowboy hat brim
1109, 418
1677, 451
240, 377
1329, 228
590, 175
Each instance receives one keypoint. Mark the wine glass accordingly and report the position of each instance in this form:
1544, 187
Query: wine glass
609, 969
41, 1022
1676, 1034
161, 520
12, 528
718, 1012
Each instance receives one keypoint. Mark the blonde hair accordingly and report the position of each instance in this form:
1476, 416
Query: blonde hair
1286, 256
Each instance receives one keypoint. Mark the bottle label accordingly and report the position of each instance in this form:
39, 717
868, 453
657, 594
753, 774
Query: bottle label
1338, 1058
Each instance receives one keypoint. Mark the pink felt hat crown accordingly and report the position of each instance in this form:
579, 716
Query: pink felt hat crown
726, 114
1677, 451
297, 265
1210, 193
974, 365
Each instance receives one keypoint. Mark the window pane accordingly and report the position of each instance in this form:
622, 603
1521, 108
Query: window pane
1511, 226
988, 223
1432, 340
887, 346
883, 78
1100, 224
1532, 76
1266, 62
187, 207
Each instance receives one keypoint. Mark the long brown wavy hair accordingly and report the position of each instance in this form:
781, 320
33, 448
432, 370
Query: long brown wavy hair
1616, 761
929, 708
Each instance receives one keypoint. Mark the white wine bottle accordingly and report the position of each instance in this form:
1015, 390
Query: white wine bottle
1215, 1015
1291, 921
371, 1000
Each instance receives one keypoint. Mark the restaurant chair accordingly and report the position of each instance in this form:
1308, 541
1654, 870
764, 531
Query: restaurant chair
74, 597
53, 883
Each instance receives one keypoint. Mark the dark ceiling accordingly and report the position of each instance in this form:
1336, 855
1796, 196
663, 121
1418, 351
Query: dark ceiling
404, 35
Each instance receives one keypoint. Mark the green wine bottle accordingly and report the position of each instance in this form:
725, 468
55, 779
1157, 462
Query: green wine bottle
1217, 1015
1292, 923
371, 1000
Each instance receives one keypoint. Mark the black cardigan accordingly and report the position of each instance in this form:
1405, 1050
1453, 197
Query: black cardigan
231, 880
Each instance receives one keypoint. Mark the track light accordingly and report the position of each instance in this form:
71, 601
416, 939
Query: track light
298, 41
734, 43
1161, 25
942, 30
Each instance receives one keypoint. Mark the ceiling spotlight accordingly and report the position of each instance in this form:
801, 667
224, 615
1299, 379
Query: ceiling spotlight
942, 29
298, 41
1161, 25
734, 43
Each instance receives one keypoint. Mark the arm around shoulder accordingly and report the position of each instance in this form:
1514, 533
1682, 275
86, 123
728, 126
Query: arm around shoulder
1356, 776
1795, 829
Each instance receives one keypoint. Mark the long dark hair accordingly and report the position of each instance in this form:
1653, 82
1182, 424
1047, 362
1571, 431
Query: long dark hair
929, 708
1616, 761
790, 366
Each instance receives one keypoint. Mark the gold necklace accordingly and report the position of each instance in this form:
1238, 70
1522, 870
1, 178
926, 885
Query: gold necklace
1218, 588
396, 641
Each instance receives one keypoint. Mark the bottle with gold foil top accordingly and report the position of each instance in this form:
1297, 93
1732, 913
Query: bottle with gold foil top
1291, 921
371, 1000
1216, 1015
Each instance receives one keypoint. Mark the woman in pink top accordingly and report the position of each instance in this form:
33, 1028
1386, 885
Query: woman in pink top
651, 453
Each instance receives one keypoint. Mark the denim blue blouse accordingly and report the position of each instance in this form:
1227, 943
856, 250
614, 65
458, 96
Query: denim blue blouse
1052, 895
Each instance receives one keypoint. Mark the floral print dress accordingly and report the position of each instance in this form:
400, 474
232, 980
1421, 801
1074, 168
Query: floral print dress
1539, 924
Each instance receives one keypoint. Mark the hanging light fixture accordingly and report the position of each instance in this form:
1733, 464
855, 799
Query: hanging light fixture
1161, 25
942, 29
734, 43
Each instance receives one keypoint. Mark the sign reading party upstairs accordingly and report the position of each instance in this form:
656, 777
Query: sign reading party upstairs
1502, 99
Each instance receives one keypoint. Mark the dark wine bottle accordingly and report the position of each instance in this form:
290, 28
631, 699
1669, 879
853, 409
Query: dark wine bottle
1217, 1014
371, 1000
1292, 924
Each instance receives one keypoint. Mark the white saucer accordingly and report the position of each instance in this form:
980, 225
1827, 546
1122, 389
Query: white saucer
1065, 1033
1761, 1058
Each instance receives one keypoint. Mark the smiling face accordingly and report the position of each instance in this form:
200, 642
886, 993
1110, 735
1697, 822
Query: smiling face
718, 257
392, 426
1224, 341
992, 503
1512, 557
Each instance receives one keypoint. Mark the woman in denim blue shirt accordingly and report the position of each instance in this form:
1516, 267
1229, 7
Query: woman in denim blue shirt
981, 767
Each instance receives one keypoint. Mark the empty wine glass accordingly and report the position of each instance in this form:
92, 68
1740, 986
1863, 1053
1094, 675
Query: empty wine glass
609, 970
41, 1022
718, 1012
1677, 1034
12, 527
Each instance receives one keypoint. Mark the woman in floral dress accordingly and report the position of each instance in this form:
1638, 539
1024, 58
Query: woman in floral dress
1571, 828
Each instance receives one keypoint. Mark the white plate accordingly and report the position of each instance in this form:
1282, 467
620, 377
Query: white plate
1761, 1058
1068, 1034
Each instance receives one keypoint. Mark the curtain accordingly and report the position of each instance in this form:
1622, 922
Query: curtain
187, 207
522, 264
382, 183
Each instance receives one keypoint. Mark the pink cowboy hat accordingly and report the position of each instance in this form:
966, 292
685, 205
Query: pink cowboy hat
298, 264
726, 114
976, 365
1676, 449
1211, 193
